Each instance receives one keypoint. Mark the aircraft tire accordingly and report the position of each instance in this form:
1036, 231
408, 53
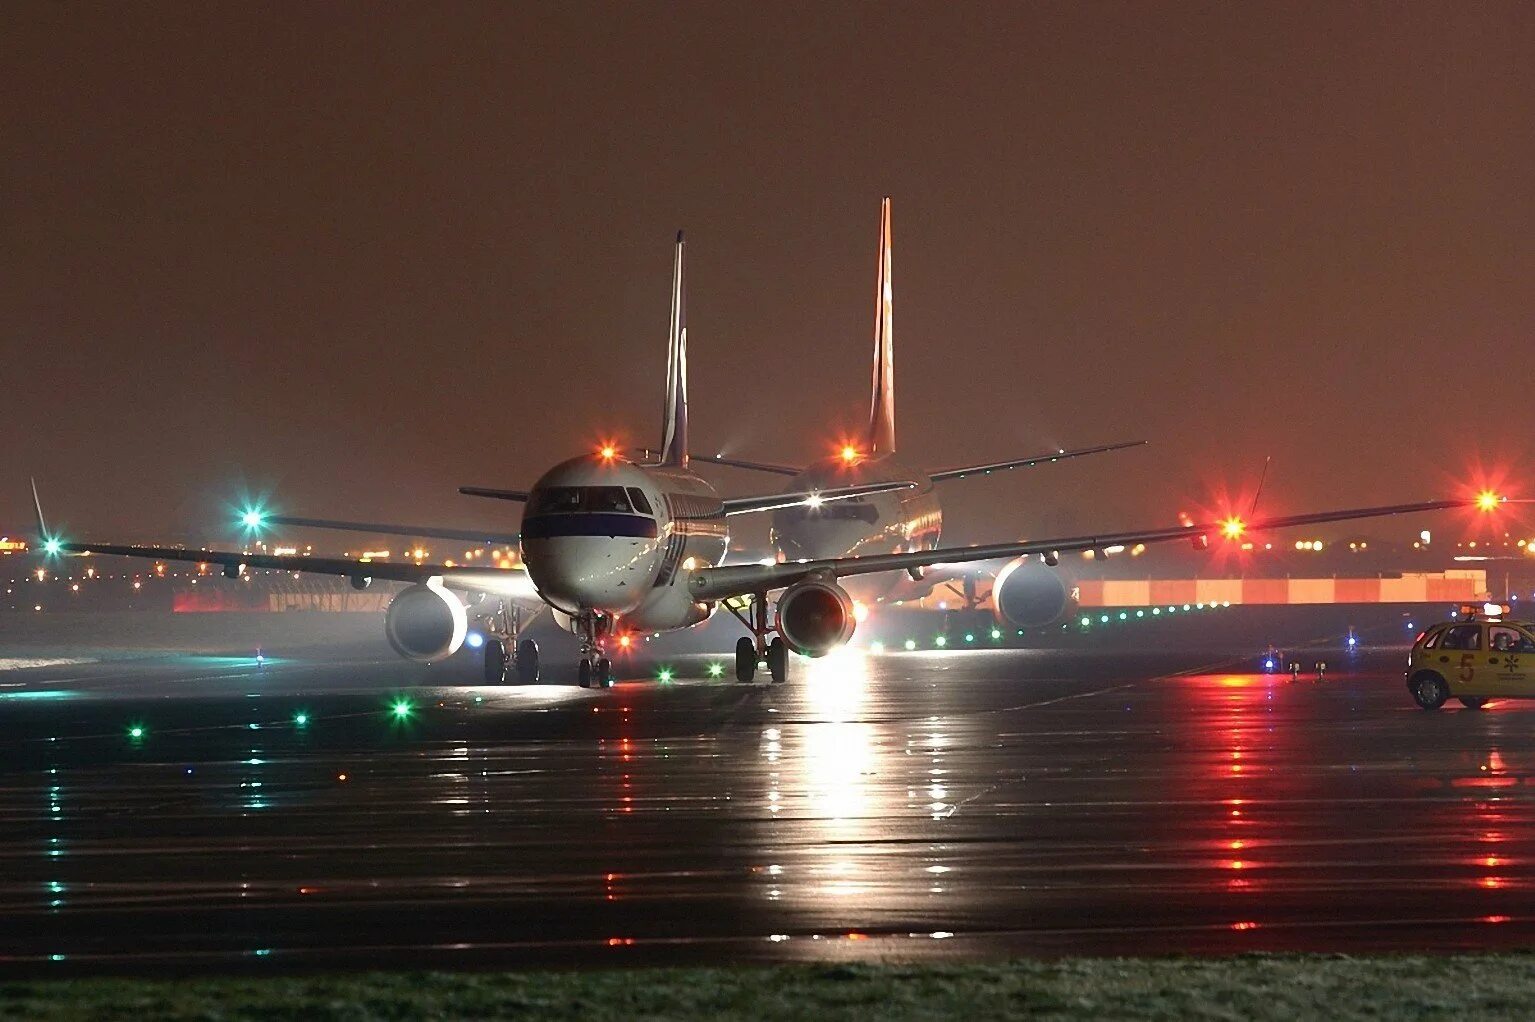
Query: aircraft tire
584, 673
778, 660
604, 673
527, 662
495, 662
746, 660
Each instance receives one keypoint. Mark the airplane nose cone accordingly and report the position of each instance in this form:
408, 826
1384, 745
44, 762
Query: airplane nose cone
574, 573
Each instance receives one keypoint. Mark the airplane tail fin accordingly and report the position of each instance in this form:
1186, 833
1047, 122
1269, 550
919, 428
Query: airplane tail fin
881, 439
674, 424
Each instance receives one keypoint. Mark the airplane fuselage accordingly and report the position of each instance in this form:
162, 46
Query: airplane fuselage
900, 521
607, 536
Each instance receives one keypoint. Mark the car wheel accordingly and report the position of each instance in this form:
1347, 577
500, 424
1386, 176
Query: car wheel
1429, 690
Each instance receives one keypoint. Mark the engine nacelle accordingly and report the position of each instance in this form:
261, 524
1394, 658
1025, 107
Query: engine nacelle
426, 622
815, 617
1027, 594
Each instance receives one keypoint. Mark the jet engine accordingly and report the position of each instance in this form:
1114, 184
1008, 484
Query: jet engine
815, 617
1027, 594
426, 622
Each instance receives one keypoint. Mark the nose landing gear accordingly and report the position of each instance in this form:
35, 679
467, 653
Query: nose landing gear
595, 667
754, 649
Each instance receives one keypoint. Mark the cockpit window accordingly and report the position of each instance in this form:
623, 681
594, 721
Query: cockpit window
606, 498
641, 505
558, 500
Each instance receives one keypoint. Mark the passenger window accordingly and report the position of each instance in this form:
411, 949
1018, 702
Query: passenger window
606, 498
637, 496
1463, 637
1525, 644
559, 500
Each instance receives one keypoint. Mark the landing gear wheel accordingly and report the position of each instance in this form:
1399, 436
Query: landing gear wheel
604, 673
746, 660
495, 662
778, 660
584, 673
1473, 702
527, 661
1430, 691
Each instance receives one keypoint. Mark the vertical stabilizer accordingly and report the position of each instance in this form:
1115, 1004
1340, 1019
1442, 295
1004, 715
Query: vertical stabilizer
881, 438
674, 425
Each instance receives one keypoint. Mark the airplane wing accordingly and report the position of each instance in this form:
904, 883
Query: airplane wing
481, 491
720, 459
1038, 459
390, 529
794, 498
739, 580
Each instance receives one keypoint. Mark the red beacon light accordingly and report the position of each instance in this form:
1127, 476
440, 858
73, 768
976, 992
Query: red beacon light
1485, 611
607, 452
1487, 500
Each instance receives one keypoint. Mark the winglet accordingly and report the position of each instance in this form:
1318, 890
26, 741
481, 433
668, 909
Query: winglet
37, 506
674, 423
882, 404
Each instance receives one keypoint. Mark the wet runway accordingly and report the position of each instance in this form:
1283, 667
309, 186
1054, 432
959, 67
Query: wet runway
325, 809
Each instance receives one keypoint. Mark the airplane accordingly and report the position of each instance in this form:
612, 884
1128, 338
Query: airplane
610, 545
900, 520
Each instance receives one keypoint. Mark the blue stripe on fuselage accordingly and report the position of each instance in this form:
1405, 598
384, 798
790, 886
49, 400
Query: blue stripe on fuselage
588, 523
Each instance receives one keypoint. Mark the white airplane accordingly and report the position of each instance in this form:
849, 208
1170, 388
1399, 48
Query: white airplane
612, 544
899, 520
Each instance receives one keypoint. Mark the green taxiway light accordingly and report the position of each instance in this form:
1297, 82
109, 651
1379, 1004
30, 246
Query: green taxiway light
1104, 619
300, 719
664, 676
1086, 621
911, 644
136, 732
941, 641
1123, 616
715, 670
996, 633
969, 636
401, 709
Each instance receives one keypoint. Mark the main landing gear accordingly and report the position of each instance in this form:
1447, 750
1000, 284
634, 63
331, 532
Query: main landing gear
505, 654
755, 648
595, 667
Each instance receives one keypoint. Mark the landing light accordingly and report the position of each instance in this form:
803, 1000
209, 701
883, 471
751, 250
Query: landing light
1488, 500
814, 500
52, 546
849, 453
253, 518
1232, 528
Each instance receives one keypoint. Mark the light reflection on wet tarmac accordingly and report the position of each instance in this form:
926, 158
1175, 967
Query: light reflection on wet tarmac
905, 806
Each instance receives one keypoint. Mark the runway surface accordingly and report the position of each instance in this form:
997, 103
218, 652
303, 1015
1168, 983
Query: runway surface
913, 805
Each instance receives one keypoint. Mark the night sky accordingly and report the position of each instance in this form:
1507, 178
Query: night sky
356, 255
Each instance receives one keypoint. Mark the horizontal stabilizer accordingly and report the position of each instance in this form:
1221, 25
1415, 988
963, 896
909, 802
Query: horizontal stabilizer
391, 529
1038, 459
481, 491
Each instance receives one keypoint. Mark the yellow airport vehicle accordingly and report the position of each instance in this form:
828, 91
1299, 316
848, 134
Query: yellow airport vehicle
1483, 654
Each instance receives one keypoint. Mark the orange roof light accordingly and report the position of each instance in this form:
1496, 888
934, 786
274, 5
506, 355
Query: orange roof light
1233, 528
1488, 500
849, 453
607, 452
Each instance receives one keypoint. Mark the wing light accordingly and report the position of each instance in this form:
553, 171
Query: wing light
1233, 528
1487, 500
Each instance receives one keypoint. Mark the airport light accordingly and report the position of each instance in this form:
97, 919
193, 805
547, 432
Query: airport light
996, 633
910, 645
52, 545
849, 454
607, 452
716, 669
941, 641
664, 676
136, 732
1233, 527
401, 709
969, 636
300, 719
1487, 500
